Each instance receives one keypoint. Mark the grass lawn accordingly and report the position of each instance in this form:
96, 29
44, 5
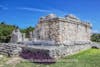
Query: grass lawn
88, 58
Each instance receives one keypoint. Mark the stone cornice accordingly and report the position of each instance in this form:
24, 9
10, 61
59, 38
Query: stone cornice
74, 21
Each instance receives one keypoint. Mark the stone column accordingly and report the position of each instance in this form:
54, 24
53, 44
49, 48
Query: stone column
30, 34
23, 36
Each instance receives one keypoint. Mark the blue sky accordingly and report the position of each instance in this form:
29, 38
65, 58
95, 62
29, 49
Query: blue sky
26, 13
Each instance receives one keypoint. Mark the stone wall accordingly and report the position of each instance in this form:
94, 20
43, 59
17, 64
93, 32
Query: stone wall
10, 49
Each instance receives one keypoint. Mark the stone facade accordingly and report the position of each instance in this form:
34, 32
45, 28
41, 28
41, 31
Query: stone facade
62, 30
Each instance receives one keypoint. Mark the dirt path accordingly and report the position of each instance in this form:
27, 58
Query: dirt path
13, 61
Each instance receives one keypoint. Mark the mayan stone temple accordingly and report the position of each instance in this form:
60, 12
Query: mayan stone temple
61, 36
62, 31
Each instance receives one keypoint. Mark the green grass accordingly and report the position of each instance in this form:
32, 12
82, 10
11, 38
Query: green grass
3, 60
88, 58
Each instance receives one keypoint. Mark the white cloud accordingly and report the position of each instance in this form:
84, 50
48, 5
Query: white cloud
3, 7
34, 9
52, 10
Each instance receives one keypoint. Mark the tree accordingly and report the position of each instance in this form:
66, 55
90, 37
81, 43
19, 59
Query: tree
3, 23
95, 37
5, 31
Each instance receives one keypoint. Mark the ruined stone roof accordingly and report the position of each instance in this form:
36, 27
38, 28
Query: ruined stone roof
50, 16
68, 18
71, 16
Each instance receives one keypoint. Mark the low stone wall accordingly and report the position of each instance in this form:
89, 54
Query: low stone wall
10, 49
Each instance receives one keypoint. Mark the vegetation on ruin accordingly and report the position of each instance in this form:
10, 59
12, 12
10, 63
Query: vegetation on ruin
88, 58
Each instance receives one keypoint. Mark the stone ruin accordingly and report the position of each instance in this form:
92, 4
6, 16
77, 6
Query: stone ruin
56, 31
55, 37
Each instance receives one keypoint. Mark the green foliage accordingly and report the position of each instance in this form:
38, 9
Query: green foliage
5, 31
95, 37
27, 31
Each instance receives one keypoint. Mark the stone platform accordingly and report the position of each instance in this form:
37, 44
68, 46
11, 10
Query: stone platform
55, 51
